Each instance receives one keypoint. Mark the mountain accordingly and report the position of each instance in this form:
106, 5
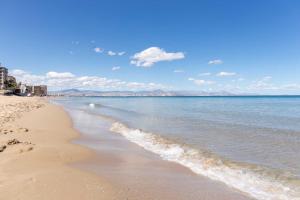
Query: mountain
77, 92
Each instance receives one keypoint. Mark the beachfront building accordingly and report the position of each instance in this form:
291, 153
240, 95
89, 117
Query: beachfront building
38, 90
8, 85
3, 77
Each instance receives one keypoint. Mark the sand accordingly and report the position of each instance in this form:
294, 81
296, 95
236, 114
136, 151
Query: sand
35, 152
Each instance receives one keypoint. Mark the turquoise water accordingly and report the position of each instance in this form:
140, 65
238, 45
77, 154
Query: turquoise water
249, 143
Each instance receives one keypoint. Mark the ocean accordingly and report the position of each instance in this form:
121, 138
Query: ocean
251, 144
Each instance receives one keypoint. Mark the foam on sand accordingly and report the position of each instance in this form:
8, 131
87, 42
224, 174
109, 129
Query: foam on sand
259, 182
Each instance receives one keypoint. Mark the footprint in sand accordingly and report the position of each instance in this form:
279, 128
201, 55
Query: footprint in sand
2, 148
6, 131
24, 129
13, 142
25, 146
26, 149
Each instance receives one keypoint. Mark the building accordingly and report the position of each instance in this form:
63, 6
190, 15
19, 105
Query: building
8, 84
39, 90
21, 90
3, 77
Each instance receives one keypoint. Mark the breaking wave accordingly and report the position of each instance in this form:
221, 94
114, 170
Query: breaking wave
257, 181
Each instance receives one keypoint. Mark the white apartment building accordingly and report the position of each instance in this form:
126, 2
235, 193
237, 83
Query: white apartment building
3, 77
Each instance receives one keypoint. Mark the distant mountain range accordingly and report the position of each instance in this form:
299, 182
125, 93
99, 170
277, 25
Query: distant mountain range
77, 92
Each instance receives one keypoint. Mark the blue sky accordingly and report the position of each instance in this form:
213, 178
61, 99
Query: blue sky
211, 45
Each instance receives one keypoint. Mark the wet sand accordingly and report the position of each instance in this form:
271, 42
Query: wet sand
144, 174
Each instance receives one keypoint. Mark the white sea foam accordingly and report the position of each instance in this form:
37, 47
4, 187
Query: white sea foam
258, 182
92, 105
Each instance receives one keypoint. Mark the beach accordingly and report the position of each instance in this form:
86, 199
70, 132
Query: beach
34, 161
39, 160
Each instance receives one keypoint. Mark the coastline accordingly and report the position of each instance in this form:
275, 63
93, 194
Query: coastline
140, 173
61, 164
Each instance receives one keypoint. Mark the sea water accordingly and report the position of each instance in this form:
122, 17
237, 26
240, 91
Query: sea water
249, 143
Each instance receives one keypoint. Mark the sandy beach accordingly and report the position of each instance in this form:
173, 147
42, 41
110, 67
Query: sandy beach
35, 149
39, 160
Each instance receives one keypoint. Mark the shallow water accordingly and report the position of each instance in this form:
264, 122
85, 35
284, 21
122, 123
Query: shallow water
249, 143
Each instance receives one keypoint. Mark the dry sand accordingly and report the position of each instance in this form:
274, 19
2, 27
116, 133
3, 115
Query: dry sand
34, 150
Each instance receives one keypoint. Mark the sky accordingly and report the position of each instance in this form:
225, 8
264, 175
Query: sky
237, 46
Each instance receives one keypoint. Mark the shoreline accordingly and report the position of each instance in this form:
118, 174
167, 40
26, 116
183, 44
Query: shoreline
151, 177
61, 164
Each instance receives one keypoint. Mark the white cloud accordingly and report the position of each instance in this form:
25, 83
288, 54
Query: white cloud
26, 77
266, 78
226, 74
204, 74
111, 53
178, 71
60, 75
56, 80
152, 55
115, 68
215, 62
263, 84
201, 82
291, 86
18, 72
98, 50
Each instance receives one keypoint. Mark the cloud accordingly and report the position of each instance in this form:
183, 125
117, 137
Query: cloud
266, 78
60, 75
215, 62
201, 82
204, 74
152, 55
18, 72
115, 68
25, 77
292, 86
226, 74
112, 53
65, 80
178, 71
98, 50
263, 84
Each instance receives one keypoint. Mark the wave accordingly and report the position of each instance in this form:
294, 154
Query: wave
257, 181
